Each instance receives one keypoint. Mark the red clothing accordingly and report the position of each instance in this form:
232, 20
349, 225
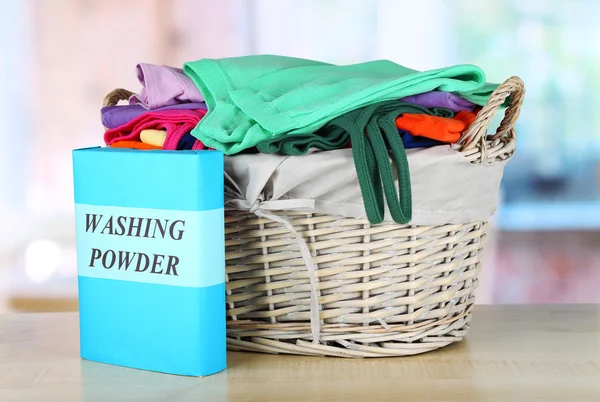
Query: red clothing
177, 123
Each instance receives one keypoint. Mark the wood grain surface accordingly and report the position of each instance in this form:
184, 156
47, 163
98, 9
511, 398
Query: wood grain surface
511, 353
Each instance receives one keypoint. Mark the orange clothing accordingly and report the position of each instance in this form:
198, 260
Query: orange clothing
133, 144
466, 117
435, 127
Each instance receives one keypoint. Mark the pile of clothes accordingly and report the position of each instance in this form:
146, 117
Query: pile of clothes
162, 116
291, 106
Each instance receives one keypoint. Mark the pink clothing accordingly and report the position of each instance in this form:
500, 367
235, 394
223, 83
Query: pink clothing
177, 123
198, 146
164, 86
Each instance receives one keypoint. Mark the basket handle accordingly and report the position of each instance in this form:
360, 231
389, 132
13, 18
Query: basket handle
113, 98
512, 87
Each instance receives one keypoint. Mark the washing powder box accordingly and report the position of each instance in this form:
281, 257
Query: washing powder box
151, 259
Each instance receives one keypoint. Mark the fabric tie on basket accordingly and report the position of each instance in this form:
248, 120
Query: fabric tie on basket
261, 209
163, 86
177, 123
256, 98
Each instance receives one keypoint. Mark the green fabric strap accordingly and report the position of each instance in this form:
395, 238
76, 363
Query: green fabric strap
373, 131
328, 138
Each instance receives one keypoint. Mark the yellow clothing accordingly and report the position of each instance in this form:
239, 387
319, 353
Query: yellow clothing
153, 137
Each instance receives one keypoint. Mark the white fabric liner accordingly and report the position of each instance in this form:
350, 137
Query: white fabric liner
446, 187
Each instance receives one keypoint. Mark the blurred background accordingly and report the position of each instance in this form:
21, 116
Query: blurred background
59, 58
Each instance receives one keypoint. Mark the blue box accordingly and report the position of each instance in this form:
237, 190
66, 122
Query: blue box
151, 259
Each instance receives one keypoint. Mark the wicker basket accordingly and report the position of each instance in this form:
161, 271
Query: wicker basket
378, 290
375, 290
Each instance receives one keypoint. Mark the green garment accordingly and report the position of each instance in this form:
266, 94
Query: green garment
252, 99
329, 137
372, 130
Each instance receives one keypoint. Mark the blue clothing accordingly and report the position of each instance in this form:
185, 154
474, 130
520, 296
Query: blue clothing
186, 142
415, 141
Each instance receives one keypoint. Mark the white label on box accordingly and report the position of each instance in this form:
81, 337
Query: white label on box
166, 247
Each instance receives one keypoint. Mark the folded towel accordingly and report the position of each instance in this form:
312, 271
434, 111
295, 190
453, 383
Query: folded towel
258, 98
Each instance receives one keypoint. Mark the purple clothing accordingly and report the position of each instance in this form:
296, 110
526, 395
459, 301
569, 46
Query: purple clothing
115, 116
163, 86
446, 100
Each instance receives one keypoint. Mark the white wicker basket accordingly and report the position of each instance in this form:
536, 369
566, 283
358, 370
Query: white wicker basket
376, 290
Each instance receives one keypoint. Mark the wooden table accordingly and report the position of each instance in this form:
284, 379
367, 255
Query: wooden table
512, 353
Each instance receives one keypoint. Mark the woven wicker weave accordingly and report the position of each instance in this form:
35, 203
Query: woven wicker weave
383, 290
